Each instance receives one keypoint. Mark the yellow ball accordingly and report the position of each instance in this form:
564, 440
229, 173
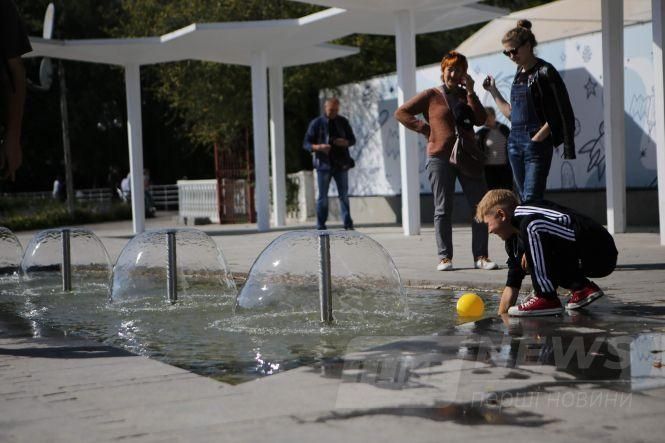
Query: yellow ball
470, 305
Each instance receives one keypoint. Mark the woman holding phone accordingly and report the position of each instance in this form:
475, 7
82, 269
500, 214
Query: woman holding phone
447, 109
539, 111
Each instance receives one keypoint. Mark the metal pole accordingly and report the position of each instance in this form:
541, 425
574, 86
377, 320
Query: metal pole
325, 296
69, 176
171, 271
66, 261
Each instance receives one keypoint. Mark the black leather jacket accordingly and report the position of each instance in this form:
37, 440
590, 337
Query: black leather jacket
550, 96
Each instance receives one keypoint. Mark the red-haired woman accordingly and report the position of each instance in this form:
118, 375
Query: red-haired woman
450, 109
539, 111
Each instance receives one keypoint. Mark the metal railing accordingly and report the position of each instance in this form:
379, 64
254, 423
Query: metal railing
28, 195
165, 197
94, 195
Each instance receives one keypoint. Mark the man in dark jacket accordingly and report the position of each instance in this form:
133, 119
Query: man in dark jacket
329, 138
556, 245
13, 44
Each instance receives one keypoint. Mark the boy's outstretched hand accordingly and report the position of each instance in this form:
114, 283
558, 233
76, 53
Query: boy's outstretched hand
508, 298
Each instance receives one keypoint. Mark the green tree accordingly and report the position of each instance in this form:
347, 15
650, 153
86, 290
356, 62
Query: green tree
188, 106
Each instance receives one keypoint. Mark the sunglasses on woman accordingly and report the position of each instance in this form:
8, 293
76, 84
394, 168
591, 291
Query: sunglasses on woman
513, 51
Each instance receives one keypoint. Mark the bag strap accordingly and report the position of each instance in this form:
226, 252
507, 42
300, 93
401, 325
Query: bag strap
452, 117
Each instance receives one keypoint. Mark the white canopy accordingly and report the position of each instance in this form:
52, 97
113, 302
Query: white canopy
151, 50
552, 21
378, 17
404, 19
260, 44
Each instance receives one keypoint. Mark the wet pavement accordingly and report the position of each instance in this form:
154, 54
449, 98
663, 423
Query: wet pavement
592, 374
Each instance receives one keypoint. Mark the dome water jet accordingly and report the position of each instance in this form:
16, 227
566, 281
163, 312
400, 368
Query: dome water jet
74, 253
330, 275
10, 252
168, 264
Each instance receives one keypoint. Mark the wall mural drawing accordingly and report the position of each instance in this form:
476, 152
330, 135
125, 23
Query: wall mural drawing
595, 151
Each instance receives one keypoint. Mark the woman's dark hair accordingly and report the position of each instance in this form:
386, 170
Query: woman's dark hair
520, 35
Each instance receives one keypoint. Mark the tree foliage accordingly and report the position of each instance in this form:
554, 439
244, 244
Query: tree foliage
187, 106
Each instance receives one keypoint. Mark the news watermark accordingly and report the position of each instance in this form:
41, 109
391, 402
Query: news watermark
565, 371
547, 399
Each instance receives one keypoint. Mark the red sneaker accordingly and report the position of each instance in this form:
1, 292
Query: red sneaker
537, 305
582, 297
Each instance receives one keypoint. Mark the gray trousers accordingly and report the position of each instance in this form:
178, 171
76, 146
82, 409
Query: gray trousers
442, 177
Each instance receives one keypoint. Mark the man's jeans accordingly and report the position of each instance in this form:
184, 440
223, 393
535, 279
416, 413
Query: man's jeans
323, 178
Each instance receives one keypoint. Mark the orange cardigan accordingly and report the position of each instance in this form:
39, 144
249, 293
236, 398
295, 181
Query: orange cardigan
438, 124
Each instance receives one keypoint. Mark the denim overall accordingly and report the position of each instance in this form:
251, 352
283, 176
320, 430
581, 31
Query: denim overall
530, 160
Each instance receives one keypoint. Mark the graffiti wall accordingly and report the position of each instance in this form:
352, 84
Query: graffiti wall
370, 105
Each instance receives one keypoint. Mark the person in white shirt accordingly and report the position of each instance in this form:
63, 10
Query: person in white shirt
126, 187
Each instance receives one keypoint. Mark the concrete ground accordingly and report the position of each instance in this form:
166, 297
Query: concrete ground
594, 375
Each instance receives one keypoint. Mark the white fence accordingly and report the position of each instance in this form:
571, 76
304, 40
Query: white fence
198, 199
306, 208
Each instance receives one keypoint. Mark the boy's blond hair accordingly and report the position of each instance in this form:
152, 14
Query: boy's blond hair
495, 199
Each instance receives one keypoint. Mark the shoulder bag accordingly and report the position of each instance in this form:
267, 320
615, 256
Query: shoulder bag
465, 156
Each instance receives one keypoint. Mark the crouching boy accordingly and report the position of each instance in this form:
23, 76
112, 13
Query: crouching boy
556, 245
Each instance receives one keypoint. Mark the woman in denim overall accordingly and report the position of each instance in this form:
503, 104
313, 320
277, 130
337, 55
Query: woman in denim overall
531, 145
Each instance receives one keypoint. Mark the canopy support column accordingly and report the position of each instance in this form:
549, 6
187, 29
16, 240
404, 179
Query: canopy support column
276, 77
135, 137
657, 19
260, 124
613, 114
405, 44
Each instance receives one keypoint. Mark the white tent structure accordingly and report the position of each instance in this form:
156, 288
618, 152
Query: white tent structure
552, 21
567, 18
271, 44
131, 54
404, 19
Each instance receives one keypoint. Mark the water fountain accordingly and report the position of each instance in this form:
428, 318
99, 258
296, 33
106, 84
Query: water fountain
66, 258
307, 297
10, 253
170, 265
330, 275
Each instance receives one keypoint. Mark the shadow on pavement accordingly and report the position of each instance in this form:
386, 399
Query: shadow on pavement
641, 267
68, 352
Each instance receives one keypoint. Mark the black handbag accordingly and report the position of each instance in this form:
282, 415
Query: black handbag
465, 155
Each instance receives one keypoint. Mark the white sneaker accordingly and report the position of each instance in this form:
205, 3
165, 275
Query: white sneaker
485, 263
446, 264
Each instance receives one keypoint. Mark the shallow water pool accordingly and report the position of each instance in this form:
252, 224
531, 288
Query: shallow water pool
204, 335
